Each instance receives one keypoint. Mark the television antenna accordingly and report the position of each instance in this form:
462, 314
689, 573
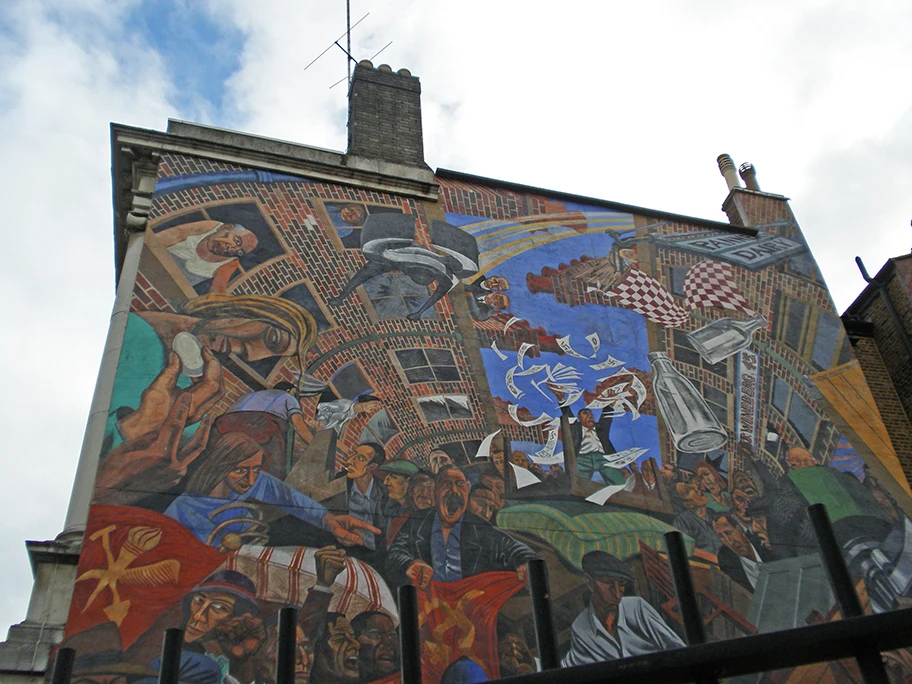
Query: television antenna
347, 49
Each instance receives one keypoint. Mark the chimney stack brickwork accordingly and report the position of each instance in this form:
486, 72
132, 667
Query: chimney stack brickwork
384, 116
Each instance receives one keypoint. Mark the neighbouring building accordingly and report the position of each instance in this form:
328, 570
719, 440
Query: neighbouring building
328, 374
879, 325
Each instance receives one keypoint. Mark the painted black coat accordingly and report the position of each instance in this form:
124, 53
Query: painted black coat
483, 547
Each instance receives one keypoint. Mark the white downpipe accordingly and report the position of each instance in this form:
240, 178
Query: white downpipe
84, 483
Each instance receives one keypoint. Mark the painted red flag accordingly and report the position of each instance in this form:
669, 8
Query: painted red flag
460, 619
135, 565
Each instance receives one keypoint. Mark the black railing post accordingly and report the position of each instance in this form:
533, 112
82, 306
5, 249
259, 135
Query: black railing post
287, 645
409, 636
687, 597
541, 612
869, 659
63, 666
171, 656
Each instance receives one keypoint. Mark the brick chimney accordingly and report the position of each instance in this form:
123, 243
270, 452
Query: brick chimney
384, 116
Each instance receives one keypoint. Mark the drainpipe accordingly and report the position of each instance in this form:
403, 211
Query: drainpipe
84, 483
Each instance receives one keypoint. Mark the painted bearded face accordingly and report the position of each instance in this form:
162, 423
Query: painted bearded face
227, 242
452, 496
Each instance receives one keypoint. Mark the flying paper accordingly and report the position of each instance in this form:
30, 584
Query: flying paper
624, 458
564, 343
484, 449
542, 418
595, 342
602, 495
610, 362
523, 477
521, 353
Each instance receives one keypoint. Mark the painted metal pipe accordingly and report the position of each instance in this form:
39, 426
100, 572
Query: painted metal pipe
684, 589
687, 597
541, 613
745, 655
869, 660
409, 635
171, 656
63, 666
287, 645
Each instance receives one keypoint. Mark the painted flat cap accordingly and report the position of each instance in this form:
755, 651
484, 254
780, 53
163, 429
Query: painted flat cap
399, 467
602, 564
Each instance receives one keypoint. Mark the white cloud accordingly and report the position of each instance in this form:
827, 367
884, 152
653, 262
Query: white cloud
68, 71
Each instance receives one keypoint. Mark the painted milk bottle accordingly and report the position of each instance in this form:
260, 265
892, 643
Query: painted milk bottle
692, 424
720, 339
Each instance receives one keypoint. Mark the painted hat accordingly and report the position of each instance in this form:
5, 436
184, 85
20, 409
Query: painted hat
399, 467
599, 564
229, 582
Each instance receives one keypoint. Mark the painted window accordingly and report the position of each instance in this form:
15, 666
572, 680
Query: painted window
428, 365
827, 341
718, 402
350, 382
380, 428
677, 277
462, 453
801, 417
814, 334
804, 266
685, 353
445, 407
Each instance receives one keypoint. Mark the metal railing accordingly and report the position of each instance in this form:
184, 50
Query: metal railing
856, 636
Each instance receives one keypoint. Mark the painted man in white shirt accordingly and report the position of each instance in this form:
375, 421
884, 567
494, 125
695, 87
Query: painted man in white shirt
613, 625
208, 250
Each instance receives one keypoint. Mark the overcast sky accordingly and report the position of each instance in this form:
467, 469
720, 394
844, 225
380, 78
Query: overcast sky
625, 101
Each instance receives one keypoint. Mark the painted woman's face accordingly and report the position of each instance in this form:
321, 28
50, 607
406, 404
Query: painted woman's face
708, 479
251, 340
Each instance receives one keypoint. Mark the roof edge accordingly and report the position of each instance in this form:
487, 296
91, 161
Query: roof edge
630, 208
864, 299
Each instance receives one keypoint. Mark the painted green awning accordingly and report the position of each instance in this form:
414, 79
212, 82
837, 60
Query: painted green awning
618, 532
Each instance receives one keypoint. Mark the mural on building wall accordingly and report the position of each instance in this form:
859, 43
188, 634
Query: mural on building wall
326, 392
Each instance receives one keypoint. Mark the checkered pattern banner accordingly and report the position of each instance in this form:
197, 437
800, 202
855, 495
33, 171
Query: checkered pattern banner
646, 296
710, 283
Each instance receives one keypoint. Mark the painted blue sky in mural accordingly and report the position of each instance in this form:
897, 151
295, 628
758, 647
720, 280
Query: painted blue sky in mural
622, 335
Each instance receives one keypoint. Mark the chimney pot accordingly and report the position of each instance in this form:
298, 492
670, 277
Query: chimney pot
727, 169
366, 63
749, 175
385, 67
404, 72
